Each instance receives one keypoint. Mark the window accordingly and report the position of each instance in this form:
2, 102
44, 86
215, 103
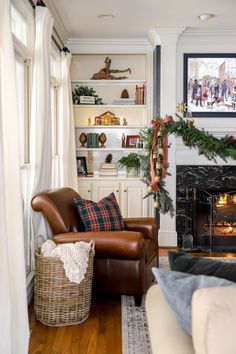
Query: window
22, 23
54, 115
18, 25
55, 86
22, 76
55, 89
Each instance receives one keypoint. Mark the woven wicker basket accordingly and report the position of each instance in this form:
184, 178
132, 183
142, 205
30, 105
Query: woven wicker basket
57, 301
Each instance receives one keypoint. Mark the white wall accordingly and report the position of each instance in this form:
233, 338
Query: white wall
202, 41
190, 41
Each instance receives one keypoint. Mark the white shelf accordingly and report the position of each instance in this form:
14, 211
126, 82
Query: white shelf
109, 82
123, 178
110, 126
108, 149
109, 105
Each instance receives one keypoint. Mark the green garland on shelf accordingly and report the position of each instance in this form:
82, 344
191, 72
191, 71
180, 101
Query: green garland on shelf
208, 145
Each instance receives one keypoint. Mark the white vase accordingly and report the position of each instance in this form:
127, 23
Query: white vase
133, 172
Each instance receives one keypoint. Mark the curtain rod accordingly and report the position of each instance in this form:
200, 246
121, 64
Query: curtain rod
61, 47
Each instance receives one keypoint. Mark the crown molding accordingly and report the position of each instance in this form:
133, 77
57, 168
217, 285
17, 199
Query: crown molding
153, 38
159, 35
101, 45
193, 33
58, 23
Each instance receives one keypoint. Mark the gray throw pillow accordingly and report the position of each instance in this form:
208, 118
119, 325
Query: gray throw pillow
178, 289
182, 262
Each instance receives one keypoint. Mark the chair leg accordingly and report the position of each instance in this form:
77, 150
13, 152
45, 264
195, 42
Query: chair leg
138, 301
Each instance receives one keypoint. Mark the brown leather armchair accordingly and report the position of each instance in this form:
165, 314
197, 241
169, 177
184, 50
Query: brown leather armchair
123, 259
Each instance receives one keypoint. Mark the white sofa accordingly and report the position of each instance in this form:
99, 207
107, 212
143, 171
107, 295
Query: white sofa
213, 323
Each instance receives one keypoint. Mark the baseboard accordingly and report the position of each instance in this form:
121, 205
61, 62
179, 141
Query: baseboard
168, 247
167, 238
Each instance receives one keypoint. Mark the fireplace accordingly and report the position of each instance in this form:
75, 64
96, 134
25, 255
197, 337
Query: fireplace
213, 219
206, 208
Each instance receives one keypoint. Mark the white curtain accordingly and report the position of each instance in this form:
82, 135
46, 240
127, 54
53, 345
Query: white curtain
66, 130
14, 329
41, 134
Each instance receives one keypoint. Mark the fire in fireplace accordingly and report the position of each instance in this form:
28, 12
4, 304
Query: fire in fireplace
206, 207
223, 214
214, 219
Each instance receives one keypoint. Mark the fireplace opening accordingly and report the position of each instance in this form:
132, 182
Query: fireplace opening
206, 207
213, 215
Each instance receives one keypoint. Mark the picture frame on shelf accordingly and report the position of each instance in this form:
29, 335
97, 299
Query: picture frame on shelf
132, 141
210, 84
87, 100
81, 165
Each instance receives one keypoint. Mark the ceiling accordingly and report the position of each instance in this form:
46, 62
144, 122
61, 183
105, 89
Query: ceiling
135, 18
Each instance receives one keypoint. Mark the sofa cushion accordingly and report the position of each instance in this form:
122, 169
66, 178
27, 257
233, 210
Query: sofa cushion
182, 262
166, 335
102, 216
178, 289
214, 318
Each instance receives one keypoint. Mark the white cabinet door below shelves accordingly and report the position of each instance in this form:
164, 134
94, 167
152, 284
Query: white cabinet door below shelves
133, 204
102, 189
129, 195
84, 190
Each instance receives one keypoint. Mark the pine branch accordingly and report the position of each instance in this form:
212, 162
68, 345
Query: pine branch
208, 145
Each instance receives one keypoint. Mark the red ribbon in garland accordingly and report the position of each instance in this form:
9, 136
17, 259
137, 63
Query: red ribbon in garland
158, 125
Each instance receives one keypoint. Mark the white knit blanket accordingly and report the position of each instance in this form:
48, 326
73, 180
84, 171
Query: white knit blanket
73, 255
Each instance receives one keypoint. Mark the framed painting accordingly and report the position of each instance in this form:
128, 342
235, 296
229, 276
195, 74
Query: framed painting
210, 84
132, 141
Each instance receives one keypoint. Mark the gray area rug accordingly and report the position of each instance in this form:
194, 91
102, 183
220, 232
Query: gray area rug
135, 334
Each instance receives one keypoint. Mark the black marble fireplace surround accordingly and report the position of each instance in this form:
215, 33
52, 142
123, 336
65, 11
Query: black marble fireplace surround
193, 184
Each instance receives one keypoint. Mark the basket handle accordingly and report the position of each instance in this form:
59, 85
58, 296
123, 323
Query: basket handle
92, 245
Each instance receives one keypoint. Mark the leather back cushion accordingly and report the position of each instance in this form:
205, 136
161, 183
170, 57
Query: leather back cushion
102, 216
59, 210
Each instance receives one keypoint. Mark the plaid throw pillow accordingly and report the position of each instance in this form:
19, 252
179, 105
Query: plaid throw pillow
102, 216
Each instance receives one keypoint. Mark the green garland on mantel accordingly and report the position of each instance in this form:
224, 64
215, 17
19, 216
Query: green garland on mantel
208, 145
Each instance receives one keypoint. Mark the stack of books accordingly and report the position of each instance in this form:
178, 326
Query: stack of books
108, 169
128, 101
92, 140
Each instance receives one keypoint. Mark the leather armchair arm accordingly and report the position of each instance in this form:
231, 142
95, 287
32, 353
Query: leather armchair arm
147, 226
109, 244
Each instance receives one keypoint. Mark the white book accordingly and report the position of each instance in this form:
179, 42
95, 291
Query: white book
108, 173
107, 166
108, 170
124, 101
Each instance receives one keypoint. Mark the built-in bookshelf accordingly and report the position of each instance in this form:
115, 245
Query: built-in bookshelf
132, 117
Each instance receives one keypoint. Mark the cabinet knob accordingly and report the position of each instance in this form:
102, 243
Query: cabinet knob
89, 191
125, 190
117, 191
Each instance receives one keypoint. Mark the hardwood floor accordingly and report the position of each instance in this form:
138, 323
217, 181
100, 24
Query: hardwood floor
163, 251
99, 334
